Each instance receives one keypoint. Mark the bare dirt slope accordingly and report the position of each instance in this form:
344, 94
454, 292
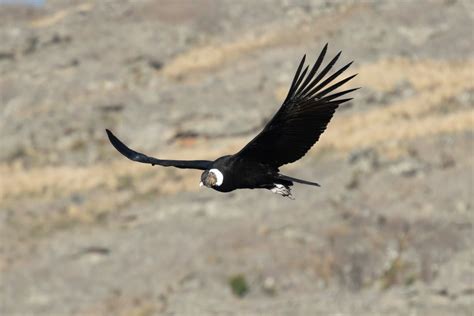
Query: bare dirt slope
86, 232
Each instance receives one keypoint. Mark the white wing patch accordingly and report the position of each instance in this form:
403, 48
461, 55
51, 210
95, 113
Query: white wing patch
219, 176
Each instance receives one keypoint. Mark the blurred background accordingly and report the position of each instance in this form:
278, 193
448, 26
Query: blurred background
86, 232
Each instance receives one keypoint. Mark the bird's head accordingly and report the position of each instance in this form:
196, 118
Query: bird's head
211, 178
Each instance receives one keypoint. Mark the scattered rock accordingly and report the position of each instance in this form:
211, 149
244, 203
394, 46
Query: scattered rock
92, 254
191, 282
155, 63
96, 250
462, 206
7, 55
269, 286
116, 107
377, 98
407, 168
354, 181
446, 161
58, 38
365, 160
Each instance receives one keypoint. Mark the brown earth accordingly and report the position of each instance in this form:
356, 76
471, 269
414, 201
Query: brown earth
86, 232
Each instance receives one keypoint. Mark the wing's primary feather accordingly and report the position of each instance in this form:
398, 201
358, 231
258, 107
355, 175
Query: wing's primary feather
303, 116
139, 157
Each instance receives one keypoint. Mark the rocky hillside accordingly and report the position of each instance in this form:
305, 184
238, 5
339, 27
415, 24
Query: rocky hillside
86, 232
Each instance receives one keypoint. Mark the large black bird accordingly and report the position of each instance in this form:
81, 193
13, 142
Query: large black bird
298, 124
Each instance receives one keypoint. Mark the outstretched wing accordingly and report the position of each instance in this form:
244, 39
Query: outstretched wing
139, 157
303, 117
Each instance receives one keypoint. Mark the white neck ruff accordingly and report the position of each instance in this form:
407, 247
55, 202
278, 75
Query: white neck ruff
219, 176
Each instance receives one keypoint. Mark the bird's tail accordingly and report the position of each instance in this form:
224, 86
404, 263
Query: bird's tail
287, 178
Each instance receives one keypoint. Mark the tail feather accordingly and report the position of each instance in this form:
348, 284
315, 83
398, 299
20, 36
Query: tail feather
287, 178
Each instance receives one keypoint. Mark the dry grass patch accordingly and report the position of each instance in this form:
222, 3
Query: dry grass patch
214, 55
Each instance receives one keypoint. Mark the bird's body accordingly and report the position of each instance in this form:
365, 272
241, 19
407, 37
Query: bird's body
287, 137
239, 173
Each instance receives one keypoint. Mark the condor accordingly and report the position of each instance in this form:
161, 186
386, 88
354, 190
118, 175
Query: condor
293, 130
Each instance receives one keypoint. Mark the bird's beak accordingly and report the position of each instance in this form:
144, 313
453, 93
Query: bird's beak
201, 184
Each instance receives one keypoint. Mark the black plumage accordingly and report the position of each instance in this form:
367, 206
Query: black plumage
293, 130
